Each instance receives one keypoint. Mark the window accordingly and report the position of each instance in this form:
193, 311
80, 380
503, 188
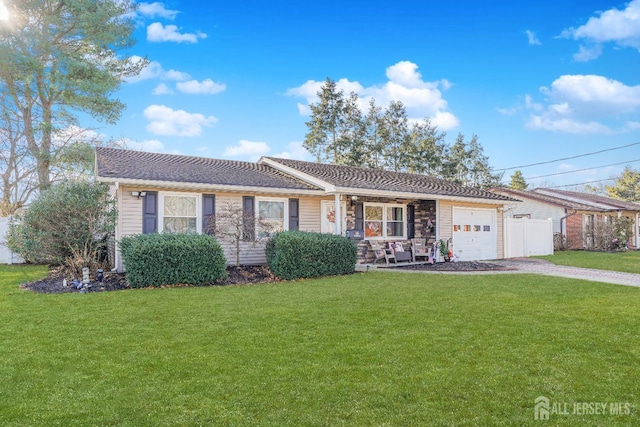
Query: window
395, 221
384, 220
373, 220
179, 213
272, 216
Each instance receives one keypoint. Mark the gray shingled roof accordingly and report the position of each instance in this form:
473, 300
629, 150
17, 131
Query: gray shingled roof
568, 204
114, 163
594, 198
350, 177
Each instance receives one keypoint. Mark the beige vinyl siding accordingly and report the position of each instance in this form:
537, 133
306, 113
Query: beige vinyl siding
129, 213
445, 220
251, 253
310, 214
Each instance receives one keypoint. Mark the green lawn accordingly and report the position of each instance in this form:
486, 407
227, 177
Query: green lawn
388, 349
628, 262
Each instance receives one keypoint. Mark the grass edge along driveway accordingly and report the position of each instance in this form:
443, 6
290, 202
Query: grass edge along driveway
365, 349
626, 261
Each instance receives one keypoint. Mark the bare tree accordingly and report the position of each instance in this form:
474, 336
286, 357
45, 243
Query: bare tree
235, 227
17, 182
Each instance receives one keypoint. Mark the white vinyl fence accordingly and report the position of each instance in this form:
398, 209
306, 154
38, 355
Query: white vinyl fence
526, 237
6, 256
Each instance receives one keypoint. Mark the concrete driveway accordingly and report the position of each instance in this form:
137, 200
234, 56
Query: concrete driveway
544, 267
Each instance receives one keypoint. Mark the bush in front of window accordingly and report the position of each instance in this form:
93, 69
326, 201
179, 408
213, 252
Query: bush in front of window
169, 259
299, 254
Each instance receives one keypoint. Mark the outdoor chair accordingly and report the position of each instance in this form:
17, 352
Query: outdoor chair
381, 252
419, 249
399, 252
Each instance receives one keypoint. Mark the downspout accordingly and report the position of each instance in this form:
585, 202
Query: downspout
636, 231
116, 249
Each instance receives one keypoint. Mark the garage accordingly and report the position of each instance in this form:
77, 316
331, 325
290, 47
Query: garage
474, 234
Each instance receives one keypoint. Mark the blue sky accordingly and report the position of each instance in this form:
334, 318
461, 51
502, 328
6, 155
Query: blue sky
536, 81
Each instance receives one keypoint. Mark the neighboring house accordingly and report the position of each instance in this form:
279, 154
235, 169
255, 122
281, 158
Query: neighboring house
174, 193
576, 216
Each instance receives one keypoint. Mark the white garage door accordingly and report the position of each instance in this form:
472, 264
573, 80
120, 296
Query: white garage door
474, 234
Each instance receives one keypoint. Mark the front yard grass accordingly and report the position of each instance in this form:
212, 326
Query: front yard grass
365, 349
627, 261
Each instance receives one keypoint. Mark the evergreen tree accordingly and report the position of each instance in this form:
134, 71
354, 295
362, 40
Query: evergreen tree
518, 182
325, 126
395, 137
353, 138
373, 137
466, 164
627, 186
58, 57
426, 149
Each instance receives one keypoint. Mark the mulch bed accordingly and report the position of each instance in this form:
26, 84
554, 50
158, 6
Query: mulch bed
454, 266
53, 283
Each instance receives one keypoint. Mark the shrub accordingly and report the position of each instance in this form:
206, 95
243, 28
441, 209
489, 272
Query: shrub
297, 254
67, 225
168, 259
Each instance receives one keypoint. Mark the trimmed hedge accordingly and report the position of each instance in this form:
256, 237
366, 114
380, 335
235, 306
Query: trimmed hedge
297, 254
169, 259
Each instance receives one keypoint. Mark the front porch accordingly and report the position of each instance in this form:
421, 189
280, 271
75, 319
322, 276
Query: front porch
383, 220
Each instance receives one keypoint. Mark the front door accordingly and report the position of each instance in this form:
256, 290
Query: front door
328, 220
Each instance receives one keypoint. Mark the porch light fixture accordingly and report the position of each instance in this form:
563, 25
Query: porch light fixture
139, 194
354, 199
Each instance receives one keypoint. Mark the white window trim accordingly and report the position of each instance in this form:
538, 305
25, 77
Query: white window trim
161, 196
384, 220
271, 199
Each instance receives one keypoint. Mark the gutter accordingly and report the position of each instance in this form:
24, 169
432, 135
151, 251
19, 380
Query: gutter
201, 187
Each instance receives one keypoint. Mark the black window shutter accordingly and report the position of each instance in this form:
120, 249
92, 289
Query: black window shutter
150, 212
208, 213
359, 216
294, 214
248, 218
411, 221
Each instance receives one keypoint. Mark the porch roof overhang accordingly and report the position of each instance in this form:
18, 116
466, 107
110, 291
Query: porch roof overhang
418, 196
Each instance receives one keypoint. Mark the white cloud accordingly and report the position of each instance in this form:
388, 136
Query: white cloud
421, 98
252, 149
585, 53
176, 75
156, 9
207, 86
583, 104
151, 71
167, 121
533, 39
632, 125
157, 32
566, 125
294, 151
152, 145
154, 70
162, 89
621, 27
